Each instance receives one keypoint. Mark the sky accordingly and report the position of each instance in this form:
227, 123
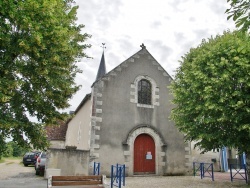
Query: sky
168, 29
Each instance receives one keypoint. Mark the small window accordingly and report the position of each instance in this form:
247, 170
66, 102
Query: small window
144, 92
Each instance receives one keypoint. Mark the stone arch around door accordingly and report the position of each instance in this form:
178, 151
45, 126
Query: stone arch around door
160, 148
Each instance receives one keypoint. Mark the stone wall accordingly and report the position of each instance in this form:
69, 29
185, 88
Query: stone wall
78, 133
69, 160
60, 144
208, 157
119, 118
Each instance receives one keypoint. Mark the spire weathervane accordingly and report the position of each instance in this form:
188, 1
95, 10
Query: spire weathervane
102, 67
103, 46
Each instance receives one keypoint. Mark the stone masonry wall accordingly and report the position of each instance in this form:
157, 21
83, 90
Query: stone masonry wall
69, 160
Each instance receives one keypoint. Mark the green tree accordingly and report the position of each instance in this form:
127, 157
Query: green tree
13, 150
40, 44
17, 150
240, 12
3, 146
211, 92
8, 151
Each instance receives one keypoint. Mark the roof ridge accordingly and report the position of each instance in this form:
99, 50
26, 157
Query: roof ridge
143, 50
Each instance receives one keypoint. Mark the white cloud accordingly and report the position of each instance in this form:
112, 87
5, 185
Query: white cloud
167, 28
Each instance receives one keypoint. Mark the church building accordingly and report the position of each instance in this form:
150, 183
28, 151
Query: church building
125, 120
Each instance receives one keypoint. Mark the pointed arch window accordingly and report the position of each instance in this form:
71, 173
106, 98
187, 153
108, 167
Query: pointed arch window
144, 92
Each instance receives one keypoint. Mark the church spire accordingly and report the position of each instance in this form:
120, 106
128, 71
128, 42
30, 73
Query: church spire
102, 66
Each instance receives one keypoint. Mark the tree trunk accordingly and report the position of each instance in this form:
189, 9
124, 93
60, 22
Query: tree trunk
248, 167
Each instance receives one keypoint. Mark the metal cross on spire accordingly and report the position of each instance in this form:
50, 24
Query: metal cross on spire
103, 46
102, 66
143, 46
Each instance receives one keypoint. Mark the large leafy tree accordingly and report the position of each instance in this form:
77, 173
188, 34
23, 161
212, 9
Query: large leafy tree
240, 12
40, 44
212, 93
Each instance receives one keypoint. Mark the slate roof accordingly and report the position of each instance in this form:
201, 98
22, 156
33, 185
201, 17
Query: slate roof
102, 68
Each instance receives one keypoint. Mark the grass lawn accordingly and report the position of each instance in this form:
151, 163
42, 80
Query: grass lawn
4, 159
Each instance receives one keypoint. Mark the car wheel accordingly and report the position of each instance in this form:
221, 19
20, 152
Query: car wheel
37, 172
25, 164
41, 173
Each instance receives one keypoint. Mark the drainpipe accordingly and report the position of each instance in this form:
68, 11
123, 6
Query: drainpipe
224, 162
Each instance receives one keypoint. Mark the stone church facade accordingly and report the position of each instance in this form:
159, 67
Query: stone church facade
125, 120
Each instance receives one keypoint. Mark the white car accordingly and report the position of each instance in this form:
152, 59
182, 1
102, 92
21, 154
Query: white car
40, 164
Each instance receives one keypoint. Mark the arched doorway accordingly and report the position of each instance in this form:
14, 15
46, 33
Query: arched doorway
144, 155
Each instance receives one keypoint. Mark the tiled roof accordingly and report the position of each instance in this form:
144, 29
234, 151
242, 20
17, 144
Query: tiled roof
57, 132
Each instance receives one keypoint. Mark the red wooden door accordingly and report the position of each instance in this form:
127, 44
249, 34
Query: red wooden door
144, 155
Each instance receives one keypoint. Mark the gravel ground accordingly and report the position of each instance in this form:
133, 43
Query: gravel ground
14, 175
13, 167
222, 180
178, 182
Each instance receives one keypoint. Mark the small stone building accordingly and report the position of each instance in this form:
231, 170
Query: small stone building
125, 120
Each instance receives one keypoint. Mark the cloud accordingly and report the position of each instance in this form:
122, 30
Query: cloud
175, 4
201, 34
159, 50
156, 24
218, 7
192, 19
180, 37
97, 13
167, 28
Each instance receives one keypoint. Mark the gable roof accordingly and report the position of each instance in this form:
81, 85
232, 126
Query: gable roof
131, 60
87, 97
58, 132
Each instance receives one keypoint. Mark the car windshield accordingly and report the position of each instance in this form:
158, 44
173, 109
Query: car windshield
43, 155
29, 154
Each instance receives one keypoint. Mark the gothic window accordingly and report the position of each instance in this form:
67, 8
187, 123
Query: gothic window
144, 92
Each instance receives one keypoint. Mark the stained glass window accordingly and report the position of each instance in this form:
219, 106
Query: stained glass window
144, 92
